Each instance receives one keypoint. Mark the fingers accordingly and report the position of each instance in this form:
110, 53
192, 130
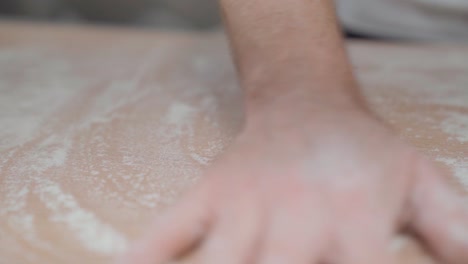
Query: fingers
440, 217
363, 240
297, 233
235, 238
361, 248
173, 233
363, 230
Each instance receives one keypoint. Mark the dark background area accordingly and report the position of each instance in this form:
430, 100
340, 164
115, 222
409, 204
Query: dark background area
182, 14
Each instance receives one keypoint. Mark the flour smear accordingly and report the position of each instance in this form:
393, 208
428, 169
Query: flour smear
59, 160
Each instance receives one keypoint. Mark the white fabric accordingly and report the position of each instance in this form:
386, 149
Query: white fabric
443, 20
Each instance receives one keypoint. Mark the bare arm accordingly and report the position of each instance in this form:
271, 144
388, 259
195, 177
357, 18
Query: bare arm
289, 47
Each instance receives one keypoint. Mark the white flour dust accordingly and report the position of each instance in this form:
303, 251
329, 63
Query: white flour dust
427, 98
456, 125
65, 154
459, 168
33, 148
94, 234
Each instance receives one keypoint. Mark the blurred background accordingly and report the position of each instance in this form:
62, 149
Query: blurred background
434, 20
180, 14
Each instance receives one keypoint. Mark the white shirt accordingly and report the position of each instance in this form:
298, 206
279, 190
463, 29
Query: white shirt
441, 20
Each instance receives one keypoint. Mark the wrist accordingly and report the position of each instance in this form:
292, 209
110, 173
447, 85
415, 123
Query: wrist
303, 99
295, 120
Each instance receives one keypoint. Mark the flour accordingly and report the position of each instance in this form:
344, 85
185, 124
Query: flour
15, 201
49, 154
459, 168
94, 234
178, 119
456, 125
200, 159
423, 83
20, 123
179, 114
207, 155
52, 152
34, 146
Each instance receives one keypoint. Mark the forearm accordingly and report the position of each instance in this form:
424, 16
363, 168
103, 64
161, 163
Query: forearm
285, 47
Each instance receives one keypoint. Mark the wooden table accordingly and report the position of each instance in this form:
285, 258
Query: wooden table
102, 127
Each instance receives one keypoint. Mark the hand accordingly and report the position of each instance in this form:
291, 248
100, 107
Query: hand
328, 187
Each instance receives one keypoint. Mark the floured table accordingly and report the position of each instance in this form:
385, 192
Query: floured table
101, 128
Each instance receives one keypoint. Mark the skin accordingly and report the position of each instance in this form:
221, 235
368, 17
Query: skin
314, 177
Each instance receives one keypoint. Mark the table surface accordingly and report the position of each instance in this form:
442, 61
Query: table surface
100, 128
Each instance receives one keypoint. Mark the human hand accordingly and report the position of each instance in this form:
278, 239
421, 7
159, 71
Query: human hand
333, 186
